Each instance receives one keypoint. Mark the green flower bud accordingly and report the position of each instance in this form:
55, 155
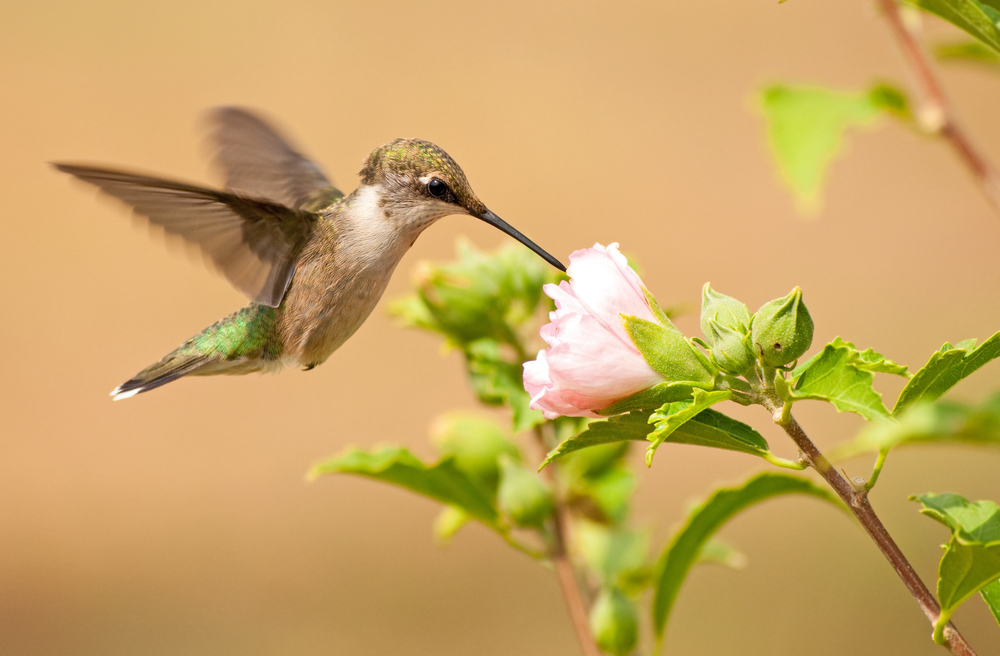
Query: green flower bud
615, 622
521, 496
729, 348
474, 442
726, 310
782, 330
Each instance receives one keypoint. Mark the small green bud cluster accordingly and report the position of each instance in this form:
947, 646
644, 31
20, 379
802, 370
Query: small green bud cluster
777, 334
782, 330
615, 622
522, 497
726, 325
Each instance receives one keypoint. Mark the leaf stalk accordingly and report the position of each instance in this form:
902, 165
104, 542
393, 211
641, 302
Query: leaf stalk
856, 498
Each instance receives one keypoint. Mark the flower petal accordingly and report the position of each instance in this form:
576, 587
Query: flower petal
544, 396
592, 368
605, 285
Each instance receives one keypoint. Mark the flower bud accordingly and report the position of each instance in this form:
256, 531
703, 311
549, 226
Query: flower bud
726, 310
615, 622
521, 496
729, 348
474, 442
782, 330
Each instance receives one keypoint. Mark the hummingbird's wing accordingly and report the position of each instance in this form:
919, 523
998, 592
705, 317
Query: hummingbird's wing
256, 159
254, 243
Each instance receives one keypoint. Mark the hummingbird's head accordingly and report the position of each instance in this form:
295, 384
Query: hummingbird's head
420, 183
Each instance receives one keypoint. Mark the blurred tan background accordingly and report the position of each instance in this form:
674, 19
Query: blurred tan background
179, 522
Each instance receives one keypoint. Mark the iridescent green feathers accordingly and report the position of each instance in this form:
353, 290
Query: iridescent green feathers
245, 341
404, 159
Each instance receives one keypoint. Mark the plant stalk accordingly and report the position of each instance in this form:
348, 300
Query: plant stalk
856, 498
937, 114
564, 568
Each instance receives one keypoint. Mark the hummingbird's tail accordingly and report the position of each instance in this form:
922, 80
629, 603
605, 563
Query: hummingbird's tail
242, 342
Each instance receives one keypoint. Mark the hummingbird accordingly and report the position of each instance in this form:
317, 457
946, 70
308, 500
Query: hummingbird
313, 261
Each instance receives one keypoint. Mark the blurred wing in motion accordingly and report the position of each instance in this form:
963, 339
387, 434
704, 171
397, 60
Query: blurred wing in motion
254, 243
255, 159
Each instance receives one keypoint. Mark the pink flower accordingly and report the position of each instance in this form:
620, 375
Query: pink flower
591, 361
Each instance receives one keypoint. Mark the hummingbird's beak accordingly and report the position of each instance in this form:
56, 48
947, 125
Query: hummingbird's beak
497, 222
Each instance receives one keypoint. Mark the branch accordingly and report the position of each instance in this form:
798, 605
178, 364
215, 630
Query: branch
856, 498
564, 568
937, 115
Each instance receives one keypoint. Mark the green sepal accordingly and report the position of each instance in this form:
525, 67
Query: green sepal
442, 481
971, 559
944, 422
658, 312
839, 375
672, 416
946, 368
975, 18
668, 352
704, 520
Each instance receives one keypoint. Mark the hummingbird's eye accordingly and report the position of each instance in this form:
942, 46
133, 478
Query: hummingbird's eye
437, 188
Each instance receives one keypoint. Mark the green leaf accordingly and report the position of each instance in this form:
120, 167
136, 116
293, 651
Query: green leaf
650, 399
498, 381
974, 522
674, 415
714, 429
929, 423
705, 520
707, 428
805, 127
967, 51
975, 18
840, 375
668, 352
946, 368
869, 360
631, 427
442, 481
991, 595
972, 557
